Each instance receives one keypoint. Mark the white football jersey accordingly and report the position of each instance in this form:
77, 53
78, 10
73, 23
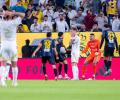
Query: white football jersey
8, 29
75, 45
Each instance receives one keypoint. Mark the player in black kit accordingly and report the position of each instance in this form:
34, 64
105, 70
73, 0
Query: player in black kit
110, 44
62, 56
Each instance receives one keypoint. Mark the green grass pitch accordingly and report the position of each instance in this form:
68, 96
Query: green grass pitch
62, 90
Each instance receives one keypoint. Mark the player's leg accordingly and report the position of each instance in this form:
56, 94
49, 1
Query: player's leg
14, 59
7, 70
60, 70
14, 72
109, 61
2, 73
52, 62
44, 61
66, 69
108, 69
4, 58
88, 60
95, 61
106, 56
75, 70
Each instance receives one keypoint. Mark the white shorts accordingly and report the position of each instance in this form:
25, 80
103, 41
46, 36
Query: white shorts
75, 57
8, 51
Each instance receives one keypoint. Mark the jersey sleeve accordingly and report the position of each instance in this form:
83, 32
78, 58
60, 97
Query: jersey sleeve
102, 38
17, 21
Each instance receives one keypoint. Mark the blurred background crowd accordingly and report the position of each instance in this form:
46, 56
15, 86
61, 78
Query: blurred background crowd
60, 15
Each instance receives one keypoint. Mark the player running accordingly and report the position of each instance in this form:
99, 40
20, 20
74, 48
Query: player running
8, 50
75, 52
48, 48
94, 57
62, 56
110, 43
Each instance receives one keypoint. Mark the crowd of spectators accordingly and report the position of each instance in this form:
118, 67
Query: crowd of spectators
60, 15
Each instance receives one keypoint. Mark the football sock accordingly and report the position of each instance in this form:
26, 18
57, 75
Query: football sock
75, 72
15, 73
66, 68
2, 73
109, 64
106, 64
55, 72
7, 70
94, 69
60, 69
83, 70
44, 69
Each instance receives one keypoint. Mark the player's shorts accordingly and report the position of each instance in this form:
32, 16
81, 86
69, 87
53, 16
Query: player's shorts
109, 52
62, 57
93, 57
75, 57
51, 60
8, 51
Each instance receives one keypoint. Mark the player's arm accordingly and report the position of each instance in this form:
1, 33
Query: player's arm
55, 50
56, 53
102, 39
37, 49
86, 49
22, 15
98, 48
116, 44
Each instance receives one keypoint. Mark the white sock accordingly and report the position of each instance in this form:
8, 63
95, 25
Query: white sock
7, 70
15, 74
2, 73
75, 72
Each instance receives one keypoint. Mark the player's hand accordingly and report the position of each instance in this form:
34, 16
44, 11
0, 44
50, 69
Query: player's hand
33, 55
97, 53
57, 58
8, 13
101, 51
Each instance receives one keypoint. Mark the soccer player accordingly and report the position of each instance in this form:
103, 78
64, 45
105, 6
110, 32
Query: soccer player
110, 43
75, 52
48, 49
94, 57
62, 56
8, 50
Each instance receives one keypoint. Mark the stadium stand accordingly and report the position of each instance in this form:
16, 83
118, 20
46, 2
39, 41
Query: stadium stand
87, 15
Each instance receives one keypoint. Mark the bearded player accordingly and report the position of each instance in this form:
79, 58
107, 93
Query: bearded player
8, 50
94, 57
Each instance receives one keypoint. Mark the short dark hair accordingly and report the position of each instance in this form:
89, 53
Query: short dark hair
107, 26
92, 34
46, 16
36, 18
73, 27
60, 34
27, 41
49, 34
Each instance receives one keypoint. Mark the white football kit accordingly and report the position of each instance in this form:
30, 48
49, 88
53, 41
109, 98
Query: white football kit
8, 50
75, 51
